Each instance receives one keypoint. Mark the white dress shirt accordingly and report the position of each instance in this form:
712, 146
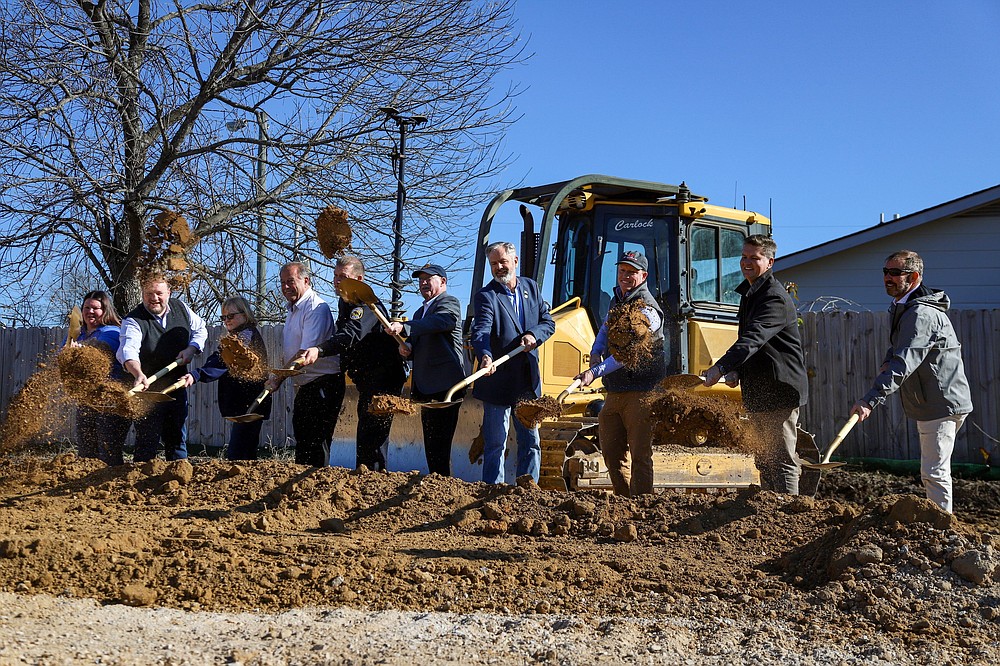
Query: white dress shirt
309, 323
131, 336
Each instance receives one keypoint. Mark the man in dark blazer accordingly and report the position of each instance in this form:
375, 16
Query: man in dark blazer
767, 361
434, 346
508, 312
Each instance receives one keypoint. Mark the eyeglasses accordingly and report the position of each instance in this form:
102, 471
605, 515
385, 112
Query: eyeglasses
895, 272
227, 317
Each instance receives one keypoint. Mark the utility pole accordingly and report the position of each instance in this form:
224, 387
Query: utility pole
260, 187
399, 158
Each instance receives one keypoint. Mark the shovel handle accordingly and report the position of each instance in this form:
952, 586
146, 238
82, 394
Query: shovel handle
165, 370
840, 437
569, 389
259, 399
173, 387
479, 373
385, 323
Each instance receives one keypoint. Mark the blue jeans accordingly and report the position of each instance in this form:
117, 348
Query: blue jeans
495, 427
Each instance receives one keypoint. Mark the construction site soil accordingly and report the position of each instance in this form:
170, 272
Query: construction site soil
867, 571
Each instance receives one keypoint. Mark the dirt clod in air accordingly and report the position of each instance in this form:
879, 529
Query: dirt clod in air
243, 362
30, 411
390, 404
629, 337
168, 240
333, 231
82, 369
532, 412
693, 419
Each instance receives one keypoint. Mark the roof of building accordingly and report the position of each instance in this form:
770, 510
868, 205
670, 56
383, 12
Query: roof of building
978, 204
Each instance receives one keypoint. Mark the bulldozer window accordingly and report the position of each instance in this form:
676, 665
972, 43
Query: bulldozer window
715, 264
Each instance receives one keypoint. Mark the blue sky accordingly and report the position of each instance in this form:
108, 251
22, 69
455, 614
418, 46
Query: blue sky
827, 113
833, 112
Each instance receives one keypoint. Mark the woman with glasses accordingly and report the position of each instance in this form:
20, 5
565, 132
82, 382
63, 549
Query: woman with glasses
236, 393
99, 434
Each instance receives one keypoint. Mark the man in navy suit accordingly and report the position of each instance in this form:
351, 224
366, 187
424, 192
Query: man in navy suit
509, 312
434, 345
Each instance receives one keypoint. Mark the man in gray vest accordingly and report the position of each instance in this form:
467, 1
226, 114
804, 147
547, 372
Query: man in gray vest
157, 332
624, 426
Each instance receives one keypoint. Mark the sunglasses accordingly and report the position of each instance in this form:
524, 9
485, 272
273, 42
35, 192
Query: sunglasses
227, 317
895, 272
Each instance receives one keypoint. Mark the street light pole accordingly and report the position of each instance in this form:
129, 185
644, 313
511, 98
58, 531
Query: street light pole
396, 306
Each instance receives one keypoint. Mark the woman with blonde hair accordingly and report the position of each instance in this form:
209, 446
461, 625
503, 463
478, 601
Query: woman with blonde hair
237, 392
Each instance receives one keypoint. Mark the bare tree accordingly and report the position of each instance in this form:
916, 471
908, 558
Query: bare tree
247, 117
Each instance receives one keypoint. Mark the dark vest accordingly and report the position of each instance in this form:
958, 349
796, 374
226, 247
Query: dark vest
649, 373
160, 346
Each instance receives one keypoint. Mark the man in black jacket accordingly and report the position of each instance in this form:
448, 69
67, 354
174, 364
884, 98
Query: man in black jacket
434, 345
767, 361
370, 357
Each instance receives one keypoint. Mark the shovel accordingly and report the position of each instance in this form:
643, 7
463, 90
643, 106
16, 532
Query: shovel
160, 396
356, 291
252, 416
569, 389
448, 402
825, 462
136, 390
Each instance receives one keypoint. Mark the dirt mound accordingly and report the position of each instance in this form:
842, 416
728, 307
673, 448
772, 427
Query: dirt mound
629, 338
532, 412
242, 362
333, 231
216, 535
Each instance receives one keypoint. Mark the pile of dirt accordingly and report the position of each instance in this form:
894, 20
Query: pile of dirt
391, 404
333, 231
210, 534
270, 535
532, 412
629, 338
242, 362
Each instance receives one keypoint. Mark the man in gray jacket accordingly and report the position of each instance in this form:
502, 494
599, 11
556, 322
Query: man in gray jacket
924, 363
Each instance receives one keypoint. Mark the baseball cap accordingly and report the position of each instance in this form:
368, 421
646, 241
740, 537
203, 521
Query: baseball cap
634, 259
431, 269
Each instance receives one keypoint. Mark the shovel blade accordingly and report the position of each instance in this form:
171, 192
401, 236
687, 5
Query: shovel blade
683, 381
245, 418
438, 405
822, 466
355, 292
153, 396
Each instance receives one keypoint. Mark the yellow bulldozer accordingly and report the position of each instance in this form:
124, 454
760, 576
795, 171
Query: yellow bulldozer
693, 249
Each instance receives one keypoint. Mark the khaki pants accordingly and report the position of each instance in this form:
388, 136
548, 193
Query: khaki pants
626, 434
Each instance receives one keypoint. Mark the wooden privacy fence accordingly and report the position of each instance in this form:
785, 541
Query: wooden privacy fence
843, 354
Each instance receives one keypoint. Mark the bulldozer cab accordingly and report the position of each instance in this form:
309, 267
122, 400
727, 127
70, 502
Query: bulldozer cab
693, 249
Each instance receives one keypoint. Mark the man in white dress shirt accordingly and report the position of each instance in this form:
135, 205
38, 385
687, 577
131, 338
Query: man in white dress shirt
319, 392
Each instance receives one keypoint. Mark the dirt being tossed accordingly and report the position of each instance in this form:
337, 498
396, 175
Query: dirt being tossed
33, 409
629, 338
532, 412
167, 243
391, 404
886, 570
242, 362
82, 369
690, 418
333, 232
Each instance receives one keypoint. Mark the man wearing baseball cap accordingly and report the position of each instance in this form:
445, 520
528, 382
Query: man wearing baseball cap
624, 426
434, 346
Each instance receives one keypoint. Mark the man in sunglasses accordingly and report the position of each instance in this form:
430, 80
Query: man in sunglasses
924, 363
